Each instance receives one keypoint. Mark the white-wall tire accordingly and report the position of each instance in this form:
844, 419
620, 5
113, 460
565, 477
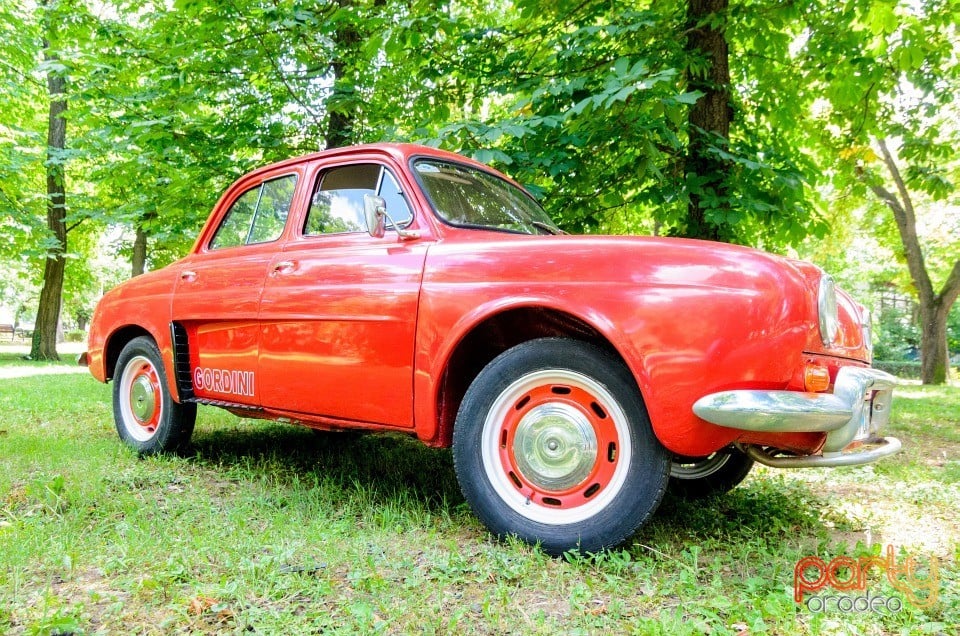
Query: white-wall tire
146, 416
552, 444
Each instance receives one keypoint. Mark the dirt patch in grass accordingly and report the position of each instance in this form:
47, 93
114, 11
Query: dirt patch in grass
888, 519
932, 451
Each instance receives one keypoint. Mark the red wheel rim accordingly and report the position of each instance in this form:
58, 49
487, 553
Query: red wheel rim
558, 428
142, 398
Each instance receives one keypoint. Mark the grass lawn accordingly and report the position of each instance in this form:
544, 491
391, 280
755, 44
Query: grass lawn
270, 529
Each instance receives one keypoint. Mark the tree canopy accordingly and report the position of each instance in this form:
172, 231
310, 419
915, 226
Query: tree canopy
757, 122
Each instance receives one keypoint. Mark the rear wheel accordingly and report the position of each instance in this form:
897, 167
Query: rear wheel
552, 444
145, 414
715, 474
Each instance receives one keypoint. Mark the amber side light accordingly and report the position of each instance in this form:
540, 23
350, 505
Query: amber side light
816, 378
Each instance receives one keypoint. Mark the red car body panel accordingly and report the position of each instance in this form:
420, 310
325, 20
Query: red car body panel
348, 330
674, 310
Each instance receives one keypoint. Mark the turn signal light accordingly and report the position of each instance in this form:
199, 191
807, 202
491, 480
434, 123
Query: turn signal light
816, 378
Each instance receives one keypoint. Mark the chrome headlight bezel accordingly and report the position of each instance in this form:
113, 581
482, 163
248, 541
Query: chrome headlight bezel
866, 323
828, 311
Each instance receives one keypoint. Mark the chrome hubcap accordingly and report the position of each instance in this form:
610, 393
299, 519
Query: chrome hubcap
142, 400
555, 446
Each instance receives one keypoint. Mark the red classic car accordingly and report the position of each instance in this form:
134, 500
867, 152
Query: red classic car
402, 288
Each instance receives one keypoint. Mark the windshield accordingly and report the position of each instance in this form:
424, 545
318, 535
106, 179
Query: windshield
469, 197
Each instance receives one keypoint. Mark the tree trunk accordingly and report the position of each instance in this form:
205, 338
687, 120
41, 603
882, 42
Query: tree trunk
341, 105
710, 117
934, 356
139, 259
44, 346
934, 307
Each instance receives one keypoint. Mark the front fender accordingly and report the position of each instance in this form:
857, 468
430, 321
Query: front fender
139, 306
686, 325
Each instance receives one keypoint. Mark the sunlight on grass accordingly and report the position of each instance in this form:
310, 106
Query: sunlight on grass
14, 362
27, 371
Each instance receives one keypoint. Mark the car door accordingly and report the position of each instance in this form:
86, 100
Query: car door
339, 307
217, 293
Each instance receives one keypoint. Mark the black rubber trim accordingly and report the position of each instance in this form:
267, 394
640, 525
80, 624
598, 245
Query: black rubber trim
222, 404
181, 362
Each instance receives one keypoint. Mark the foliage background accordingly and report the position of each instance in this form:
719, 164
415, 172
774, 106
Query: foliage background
587, 103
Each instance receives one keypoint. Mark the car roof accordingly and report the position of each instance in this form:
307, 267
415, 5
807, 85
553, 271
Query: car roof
401, 152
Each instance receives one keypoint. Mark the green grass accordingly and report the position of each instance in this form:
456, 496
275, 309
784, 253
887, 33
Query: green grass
269, 528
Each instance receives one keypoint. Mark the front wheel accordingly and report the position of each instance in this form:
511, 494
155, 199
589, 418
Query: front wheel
145, 414
552, 444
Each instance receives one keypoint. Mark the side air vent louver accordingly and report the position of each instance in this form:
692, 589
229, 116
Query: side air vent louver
181, 361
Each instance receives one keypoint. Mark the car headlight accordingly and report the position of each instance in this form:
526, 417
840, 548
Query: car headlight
827, 308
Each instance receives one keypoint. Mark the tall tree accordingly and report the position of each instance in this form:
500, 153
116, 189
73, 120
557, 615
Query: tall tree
342, 104
709, 119
138, 260
934, 305
44, 345
889, 73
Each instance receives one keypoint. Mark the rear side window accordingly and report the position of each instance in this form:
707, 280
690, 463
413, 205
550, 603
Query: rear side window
258, 215
337, 205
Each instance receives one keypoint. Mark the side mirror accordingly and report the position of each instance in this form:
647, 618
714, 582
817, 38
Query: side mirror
376, 215
375, 212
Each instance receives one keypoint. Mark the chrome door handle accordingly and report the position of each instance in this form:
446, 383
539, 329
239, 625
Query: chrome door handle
284, 267
188, 276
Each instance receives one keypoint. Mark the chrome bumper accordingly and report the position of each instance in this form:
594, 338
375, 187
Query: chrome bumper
877, 449
858, 407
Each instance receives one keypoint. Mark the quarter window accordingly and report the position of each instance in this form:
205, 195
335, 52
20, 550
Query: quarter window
258, 216
337, 205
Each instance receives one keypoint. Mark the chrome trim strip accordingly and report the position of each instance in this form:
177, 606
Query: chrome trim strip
889, 446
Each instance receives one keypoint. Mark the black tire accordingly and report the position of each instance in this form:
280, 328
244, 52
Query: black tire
553, 398
697, 478
146, 416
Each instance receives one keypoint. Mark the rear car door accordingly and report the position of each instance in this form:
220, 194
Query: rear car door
217, 294
339, 307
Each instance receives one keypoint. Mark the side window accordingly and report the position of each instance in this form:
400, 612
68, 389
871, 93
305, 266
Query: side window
236, 225
337, 205
258, 216
396, 204
272, 212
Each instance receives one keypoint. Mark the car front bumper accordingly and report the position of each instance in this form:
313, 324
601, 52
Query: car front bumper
856, 410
